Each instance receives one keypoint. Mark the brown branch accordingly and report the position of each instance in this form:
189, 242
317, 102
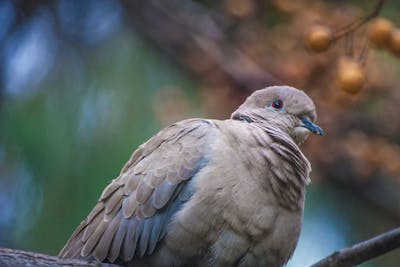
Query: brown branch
172, 29
346, 257
360, 21
363, 251
12, 258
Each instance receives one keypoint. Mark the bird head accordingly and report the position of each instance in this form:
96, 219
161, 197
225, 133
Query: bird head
283, 107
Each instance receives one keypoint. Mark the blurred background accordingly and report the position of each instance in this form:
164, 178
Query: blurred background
83, 83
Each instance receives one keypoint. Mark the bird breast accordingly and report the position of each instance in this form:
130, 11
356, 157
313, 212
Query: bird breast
235, 210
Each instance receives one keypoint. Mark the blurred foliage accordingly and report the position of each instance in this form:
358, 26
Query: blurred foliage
62, 143
83, 83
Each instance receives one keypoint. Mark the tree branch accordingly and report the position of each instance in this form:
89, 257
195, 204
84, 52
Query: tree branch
363, 251
346, 257
173, 29
12, 258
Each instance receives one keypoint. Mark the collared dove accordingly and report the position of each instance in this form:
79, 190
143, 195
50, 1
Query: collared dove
209, 192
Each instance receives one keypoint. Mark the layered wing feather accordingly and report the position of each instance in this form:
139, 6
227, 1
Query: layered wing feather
133, 212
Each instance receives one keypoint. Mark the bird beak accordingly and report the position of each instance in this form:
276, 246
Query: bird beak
308, 124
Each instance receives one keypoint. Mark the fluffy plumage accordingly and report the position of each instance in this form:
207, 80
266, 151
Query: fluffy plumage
209, 192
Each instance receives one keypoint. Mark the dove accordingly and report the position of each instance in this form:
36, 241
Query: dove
205, 192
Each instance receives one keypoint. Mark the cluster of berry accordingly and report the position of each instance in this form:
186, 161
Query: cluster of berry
350, 74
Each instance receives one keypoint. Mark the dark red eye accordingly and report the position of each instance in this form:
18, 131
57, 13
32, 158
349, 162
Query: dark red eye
277, 104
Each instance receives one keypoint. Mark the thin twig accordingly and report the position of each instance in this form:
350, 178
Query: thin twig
363, 251
359, 22
364, 53
169, 27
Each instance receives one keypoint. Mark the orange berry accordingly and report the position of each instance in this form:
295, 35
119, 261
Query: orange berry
379, 32
319, 38
350, 76
394, 42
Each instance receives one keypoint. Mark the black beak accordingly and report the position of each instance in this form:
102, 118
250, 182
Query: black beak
308, 124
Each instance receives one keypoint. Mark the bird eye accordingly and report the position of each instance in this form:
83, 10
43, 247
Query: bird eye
277, 104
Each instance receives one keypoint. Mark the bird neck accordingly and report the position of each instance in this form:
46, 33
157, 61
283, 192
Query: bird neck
289, 168
244, 118
284, 127
285, 167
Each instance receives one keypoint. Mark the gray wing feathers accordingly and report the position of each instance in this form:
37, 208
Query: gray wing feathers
133, 211
163, 193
